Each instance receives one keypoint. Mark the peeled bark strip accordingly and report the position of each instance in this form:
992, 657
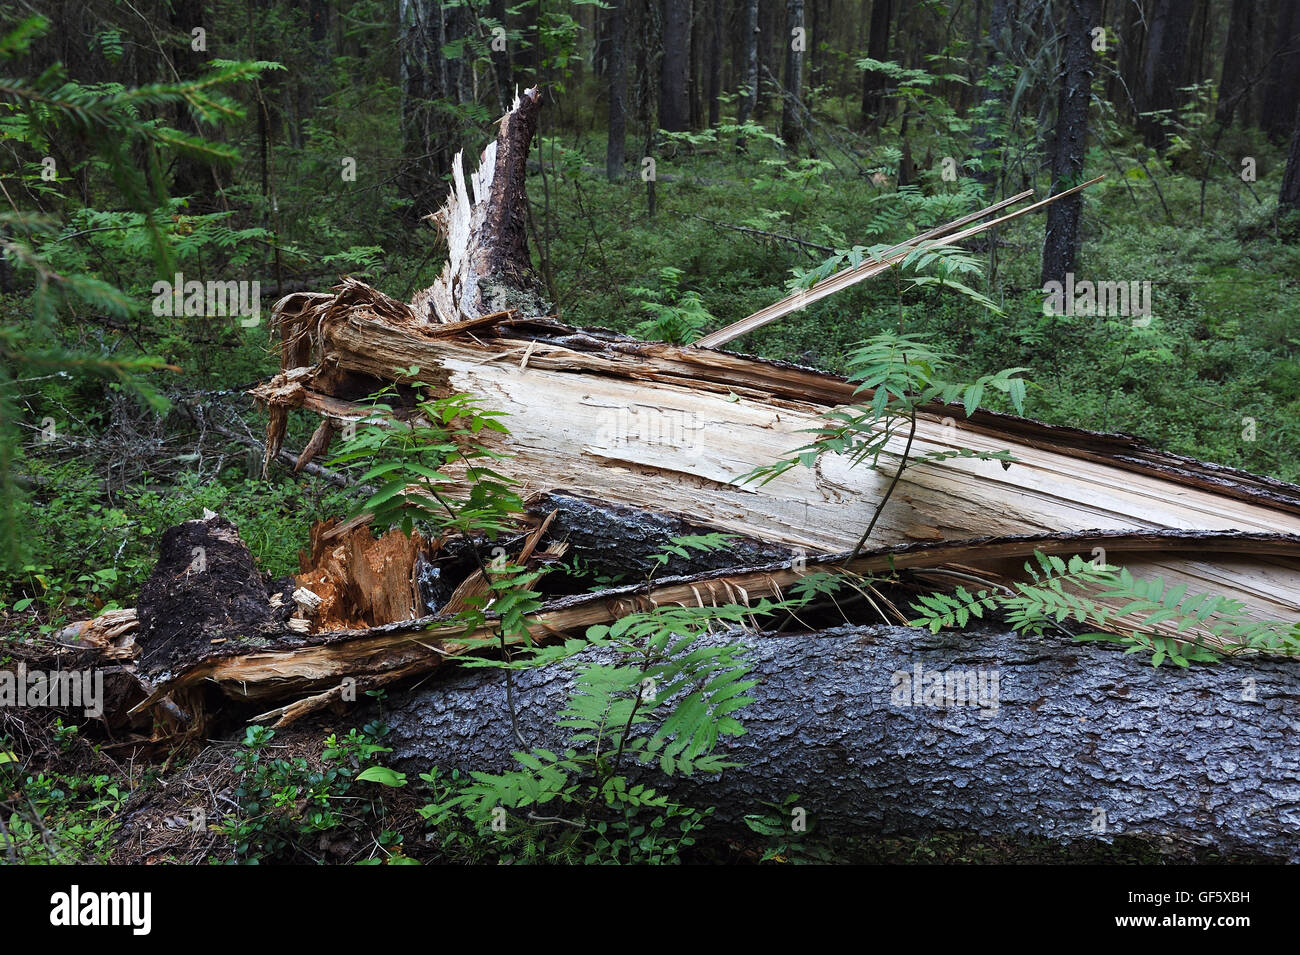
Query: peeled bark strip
1083, 743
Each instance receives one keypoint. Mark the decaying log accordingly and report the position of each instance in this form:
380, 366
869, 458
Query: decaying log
316, 663
205, 591
1071, 742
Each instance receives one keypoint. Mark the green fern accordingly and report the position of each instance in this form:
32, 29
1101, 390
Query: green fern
1067, 590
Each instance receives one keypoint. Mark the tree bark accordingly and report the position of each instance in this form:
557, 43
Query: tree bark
873, 82
617, 75
1289, 198
749, 101
1077, 742
674, 96
716, 27
993, 111
1234, 84
1165, 66
795, 40
501, 58
1282, 83
1062, 240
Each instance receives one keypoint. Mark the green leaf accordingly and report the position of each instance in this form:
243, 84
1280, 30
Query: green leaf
382, 775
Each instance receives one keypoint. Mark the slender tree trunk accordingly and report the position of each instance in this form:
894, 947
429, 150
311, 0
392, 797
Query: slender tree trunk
1289, 199
1282, 85
873, 82
501, 65
694, 79
1165, 67
1233, 85
1061, 244
993, 110
715, 62
617, 93
674, 98
795, 41
816, 48
749, 101
192, 177
1132, 51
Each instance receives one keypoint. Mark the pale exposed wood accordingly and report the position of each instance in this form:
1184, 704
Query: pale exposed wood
673, 429
482, 223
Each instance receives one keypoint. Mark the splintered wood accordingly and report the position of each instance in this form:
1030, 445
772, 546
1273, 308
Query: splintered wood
359, 581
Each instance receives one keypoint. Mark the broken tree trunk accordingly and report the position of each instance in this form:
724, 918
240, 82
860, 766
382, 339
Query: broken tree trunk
1052, 738
672, 429
487, 266
869, 726
311, 667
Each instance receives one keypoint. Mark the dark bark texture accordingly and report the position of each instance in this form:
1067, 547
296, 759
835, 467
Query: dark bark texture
1086, 742
749, 101
1235, 82
1289, 197
791, 121
1165, 65
617, 144
622, 541
1282, 83
674, 96
1062, 240
873, 82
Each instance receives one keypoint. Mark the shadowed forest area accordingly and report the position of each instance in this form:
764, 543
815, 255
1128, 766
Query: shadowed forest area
172, 168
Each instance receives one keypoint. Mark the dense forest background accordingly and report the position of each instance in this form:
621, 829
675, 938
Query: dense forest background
696, 159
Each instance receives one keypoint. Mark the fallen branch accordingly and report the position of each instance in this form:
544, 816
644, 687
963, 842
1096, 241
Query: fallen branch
943, 235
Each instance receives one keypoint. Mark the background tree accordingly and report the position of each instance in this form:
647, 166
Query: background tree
795, 41
674, 99
1062, 238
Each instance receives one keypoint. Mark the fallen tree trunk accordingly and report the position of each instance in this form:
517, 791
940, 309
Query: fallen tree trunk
672, 429
1071, 743
286, 663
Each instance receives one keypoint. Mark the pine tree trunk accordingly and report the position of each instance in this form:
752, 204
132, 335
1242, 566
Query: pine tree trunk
1084, 742
617, 76
674, 96
1165, 66
791, 121
1282, 86
1061, 244
873, 82
1289, 198
749, 101
1233, 85
501, 59
715, 62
